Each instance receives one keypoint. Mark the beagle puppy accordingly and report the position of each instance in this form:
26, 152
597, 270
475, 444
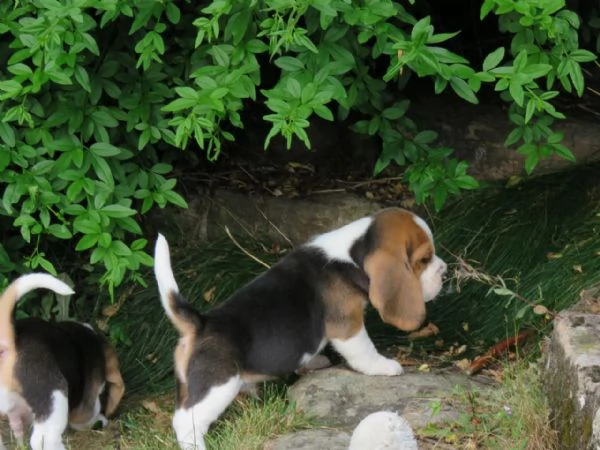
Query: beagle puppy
52, 374
283, 318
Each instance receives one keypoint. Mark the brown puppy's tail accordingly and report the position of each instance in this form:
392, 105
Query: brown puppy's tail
183, 315
11, 296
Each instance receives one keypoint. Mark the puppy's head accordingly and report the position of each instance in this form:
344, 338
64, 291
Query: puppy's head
398, 255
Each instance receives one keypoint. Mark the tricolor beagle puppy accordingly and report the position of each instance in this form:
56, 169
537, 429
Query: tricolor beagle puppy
52, 374
313, 296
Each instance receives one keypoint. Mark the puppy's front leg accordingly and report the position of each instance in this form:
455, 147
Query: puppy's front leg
361, 354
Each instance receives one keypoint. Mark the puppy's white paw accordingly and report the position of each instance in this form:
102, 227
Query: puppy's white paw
102, 420
385, 366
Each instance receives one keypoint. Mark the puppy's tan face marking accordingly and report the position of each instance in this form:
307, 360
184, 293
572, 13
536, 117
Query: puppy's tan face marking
404, 251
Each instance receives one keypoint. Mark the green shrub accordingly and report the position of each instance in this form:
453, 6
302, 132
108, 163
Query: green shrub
96, 96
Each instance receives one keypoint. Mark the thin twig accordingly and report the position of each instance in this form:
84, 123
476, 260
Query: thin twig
357, 184
250, 255
327, 191
281, 233
466, 271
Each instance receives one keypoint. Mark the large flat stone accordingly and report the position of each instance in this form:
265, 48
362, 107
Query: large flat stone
278, 219
572, 374
317, 439
342, 398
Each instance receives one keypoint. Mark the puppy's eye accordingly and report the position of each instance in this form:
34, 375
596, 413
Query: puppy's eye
425, 260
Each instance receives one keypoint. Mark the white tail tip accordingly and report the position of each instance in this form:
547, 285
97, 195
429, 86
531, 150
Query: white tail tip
32, 281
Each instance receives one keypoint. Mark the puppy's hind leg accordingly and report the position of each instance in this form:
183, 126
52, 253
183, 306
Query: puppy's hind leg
47, 431
191, 424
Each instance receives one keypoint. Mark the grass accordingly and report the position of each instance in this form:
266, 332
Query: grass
145, 424
513, 415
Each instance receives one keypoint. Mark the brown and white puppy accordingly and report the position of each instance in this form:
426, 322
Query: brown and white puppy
52, 374
313, 296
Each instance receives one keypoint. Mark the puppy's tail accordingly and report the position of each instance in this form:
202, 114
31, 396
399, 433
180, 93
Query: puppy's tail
183, 316
11, 296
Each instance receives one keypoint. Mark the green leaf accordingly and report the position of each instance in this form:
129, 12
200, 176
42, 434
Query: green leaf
437, 38
86, 226
426, 137
581, 55
86, 242
161, 168
466, 182
83, 78
180, 104
220, 55
7, 134
289, 63
42, 167
486, 8
563, 152
294, 88
118, 211
173, 13
176, 199
555, 138
516, 92
46, 265
60, 231
440, 195
20, 69
493, 59
188, 93
323, 112
11, 87
461, 87
576, 76
104, 150
531, 161
530, 110
256, 46
396, 111
537, 70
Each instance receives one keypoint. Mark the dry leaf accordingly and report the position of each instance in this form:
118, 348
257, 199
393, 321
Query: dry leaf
552, 255
151, 406
439, 343
463, 364
577, 268
111, 310
424, 368
465, 326
461, 349
513, 181
428, 330
540, 309
209, 295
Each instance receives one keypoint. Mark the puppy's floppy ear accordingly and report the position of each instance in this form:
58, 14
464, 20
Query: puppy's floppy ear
394, 289
116, 386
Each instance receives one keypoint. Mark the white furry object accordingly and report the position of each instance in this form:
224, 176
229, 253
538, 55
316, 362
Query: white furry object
383, 430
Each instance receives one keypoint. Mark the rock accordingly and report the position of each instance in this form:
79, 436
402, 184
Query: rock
342, 398
277, 219
477, 133
317, 439
572, 373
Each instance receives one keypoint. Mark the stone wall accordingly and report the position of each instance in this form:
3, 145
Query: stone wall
572, 374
